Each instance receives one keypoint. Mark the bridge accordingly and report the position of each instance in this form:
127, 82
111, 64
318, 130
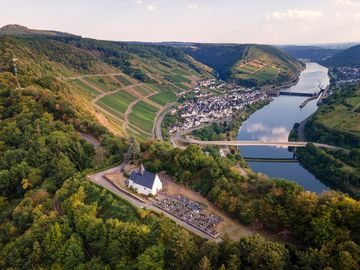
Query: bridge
299, 94
189, 140
274, 160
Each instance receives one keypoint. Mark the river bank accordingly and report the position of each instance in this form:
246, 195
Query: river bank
271, 121
338, 169
274, 123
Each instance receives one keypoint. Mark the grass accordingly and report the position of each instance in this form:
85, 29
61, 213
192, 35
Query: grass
163, 98
143, 116
342, 118
110, 110
123, 80
248, 68
104, 83
182, 86
144, 90
181, 72
118, 101
138, 134
354, 101
163, 88
263, 75
87, 88
177, 79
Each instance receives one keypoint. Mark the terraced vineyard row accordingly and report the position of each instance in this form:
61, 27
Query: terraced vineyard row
132, 105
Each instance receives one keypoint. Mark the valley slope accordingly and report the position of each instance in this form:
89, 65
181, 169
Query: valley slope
125, 86
349, 57
52, 217
312, 53
247, 64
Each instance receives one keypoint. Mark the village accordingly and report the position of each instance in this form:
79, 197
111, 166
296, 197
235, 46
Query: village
206, 107
347, 75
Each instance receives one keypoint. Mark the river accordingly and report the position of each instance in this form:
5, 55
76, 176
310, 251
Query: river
274, 123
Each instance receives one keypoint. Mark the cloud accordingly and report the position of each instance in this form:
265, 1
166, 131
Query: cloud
150, 7
294, 14
256, 127
346, 2
193, 6
348, 16
261, 132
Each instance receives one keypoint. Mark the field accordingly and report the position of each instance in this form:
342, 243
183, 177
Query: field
139, 118
106, 84
123, 80
163, 98
118, 101
257, 71
112, 111
163, 87
87, 88
181, 72
341, 118
144, 90
182, 86
344, 116
177, 79
143, 116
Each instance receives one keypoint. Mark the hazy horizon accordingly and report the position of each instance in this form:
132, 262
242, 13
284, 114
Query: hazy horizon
277, 22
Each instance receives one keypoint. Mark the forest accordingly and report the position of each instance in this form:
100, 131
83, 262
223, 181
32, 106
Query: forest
338, 168
52, 217
335, 123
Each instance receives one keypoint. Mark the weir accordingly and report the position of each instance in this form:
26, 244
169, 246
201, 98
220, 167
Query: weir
299, 94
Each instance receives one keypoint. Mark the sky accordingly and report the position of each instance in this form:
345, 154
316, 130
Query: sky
213, 21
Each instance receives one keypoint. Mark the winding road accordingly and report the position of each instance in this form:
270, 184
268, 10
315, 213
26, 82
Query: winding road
159, 119
99, 179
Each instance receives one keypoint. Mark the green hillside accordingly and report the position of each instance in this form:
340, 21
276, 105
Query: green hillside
12, 29
349, 57
313, 53
114, 70
336, 122
53, 217
250, 65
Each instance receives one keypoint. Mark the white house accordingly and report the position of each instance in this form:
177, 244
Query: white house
144, 182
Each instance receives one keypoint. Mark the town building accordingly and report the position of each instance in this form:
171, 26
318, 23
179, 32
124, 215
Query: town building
144, 182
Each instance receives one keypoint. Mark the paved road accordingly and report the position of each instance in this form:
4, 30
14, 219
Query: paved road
90, 139
158, 121
131, 106
56, 206
301, 128
103, 94
99, 179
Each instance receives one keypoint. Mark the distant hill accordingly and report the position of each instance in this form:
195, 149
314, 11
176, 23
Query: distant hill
247, 64
349, 57
15, 29
312, 53
220, 57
